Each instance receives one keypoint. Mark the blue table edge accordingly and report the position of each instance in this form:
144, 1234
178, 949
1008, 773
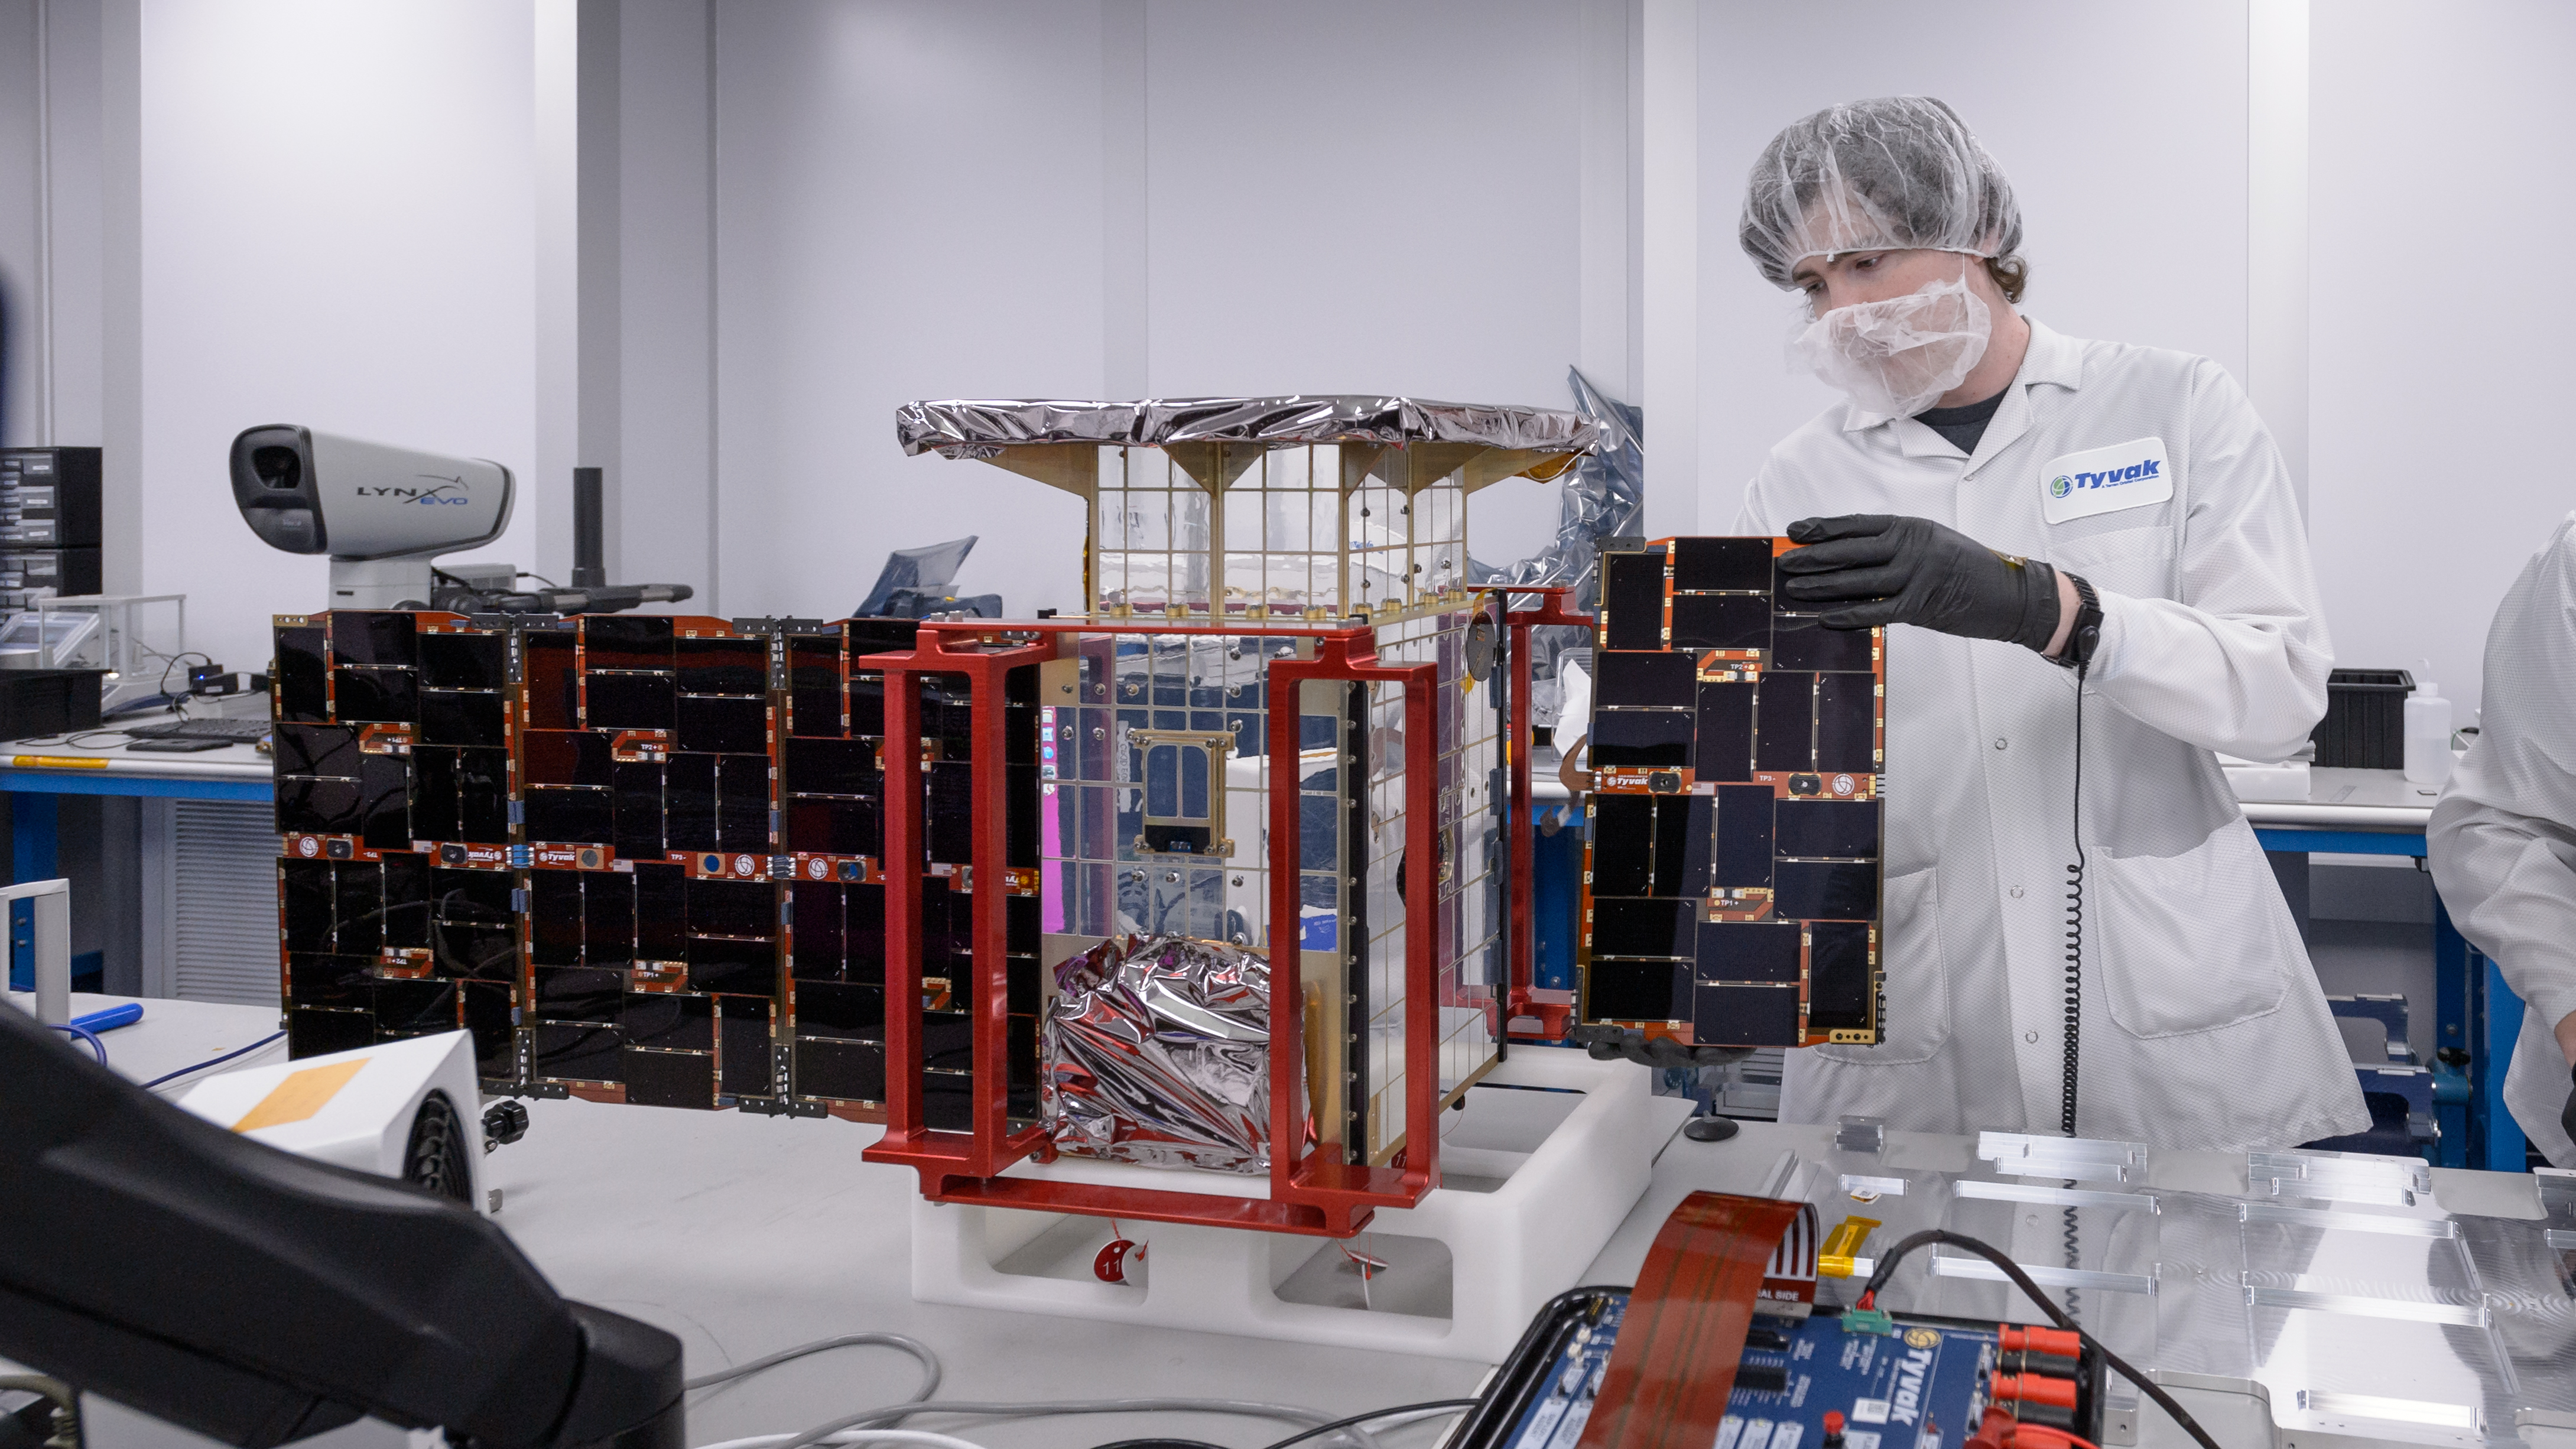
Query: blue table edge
103, 782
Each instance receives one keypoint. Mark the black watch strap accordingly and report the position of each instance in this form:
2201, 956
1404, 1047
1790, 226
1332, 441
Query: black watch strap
2086, 636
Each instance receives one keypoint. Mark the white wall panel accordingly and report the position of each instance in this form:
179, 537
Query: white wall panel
908, 207
1350, 196
915, 200
49, 148
657, 530
336, 231
1672, 255
1354, 196
20, 300
2276, 225
2123, 128
2440, 361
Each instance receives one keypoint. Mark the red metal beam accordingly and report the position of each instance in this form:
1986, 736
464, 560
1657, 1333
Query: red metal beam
900, 758
908, 1140
1522, 827
1295, 1175
1337, 1219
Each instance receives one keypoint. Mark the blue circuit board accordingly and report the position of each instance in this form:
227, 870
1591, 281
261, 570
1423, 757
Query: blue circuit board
1918, 1387
1555, 1419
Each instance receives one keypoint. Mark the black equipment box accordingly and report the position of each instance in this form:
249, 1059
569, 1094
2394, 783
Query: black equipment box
47, 701
2365, 723
49, 497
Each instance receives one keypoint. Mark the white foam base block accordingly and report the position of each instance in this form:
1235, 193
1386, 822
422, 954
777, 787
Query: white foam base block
1468, 1267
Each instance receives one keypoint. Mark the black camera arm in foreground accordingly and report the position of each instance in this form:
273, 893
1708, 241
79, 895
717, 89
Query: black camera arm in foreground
258, 1297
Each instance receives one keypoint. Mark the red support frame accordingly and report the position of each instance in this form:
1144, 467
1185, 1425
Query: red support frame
1554, 1017
1307, 1194
1349, 1193
909, 1139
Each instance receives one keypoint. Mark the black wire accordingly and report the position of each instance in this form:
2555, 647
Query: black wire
2074, 1240
1358, 1419
175, 660
2074, 977
1887, 1267
73, 740
178, 702
2075, 927
214, 1061
1162, 1444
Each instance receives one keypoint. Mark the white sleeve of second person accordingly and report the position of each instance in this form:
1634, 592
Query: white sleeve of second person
2503, 837
2236, 662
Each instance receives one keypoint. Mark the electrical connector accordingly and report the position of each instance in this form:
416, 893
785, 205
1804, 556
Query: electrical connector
2001, 1431
1868, 1320
2055, 1342
2035, 1389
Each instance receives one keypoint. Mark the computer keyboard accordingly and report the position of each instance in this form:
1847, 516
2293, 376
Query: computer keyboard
237, 731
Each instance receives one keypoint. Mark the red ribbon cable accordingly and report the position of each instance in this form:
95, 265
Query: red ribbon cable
1674, 1363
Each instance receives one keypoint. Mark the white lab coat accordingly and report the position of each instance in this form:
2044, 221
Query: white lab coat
2504, 832
2202, 1022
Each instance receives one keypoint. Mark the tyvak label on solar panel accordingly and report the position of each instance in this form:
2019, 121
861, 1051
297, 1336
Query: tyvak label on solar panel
1731, 884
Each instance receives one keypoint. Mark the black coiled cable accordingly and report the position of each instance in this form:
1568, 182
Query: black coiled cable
2075, 927
2074, 1260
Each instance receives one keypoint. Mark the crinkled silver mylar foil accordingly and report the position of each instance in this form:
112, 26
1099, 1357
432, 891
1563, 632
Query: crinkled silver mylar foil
1604, 496
1157, 1051
981, 428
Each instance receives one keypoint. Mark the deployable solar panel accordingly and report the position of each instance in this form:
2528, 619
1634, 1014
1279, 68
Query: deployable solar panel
1731, 892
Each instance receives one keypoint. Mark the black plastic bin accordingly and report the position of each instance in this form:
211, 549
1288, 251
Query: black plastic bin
48, 701
2365, 723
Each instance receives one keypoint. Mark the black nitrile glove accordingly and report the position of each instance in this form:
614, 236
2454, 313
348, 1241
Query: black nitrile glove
2567, 1114
1893, 570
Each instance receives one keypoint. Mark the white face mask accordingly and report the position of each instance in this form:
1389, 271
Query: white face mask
1896, 357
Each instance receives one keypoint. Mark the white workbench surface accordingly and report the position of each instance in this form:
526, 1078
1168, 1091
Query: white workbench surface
747, 1234
2352, 800
110, 745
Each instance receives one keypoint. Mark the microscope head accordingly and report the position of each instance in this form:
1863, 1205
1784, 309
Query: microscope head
312, 492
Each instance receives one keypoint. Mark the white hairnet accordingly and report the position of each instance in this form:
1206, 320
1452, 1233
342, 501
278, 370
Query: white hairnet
1898, 172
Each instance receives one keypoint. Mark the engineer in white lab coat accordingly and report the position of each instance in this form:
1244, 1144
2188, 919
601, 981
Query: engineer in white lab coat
2503, 837
2034, 514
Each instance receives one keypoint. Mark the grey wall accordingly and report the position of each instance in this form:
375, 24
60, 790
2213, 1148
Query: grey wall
927, 200
1133, 196
780, 220
350, 252
662, 527
2439, 139
909, 206
2123, 128
51, 49
20, 295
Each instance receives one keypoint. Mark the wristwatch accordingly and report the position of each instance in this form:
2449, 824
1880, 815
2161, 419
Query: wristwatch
2087, 633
